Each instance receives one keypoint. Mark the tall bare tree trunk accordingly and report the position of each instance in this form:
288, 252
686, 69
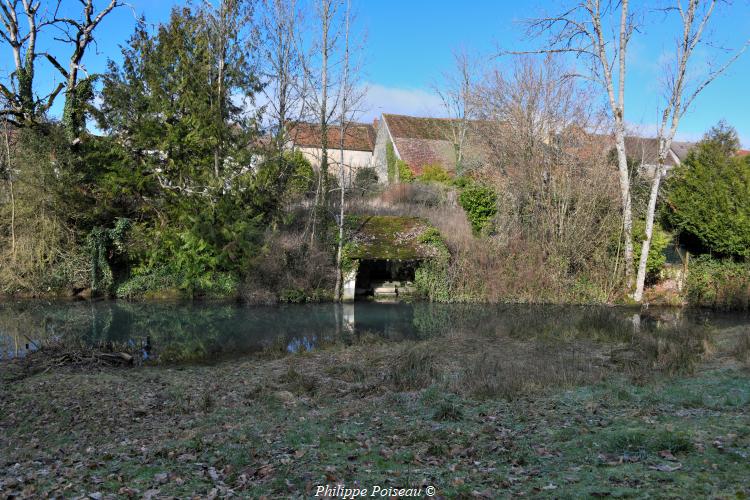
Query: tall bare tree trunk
646, 244
694, 18
324, 107
12, 217
74, 117
285, 64
321, 194
622, 160
220, 92
627, 208
225, 10
345, 91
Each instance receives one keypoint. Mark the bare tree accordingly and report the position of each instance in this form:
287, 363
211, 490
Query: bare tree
23, 106
350, 96
582, 31
529, 105
79, 34
455, 92
681, 91
545, 161
229, 42
282, 66
342, 136
285, 86
319, 71
558, 202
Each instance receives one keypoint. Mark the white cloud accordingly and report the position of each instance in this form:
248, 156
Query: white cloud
377, 99
406, 101
651, 129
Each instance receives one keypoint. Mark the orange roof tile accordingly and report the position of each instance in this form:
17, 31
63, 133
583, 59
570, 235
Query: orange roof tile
357, 136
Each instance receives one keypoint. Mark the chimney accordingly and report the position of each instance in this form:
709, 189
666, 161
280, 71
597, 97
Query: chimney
375, 123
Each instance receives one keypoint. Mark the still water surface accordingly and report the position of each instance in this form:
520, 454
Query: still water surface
205, 331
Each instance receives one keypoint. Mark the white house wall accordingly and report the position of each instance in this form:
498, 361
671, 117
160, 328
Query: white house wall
379, 158
353, 160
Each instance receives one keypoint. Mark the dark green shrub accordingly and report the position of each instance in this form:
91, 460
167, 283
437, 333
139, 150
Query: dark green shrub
289, 174
462, 182
708, 197
660, 240
480, 204
293, 296
302, 174
431, 277
721, 284
365, 180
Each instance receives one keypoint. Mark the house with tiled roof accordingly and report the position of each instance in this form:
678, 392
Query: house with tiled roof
359, 143
645, 151
422, 141
642, 151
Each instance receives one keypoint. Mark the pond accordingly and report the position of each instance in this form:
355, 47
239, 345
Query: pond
207, 331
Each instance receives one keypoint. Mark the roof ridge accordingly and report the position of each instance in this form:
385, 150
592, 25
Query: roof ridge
441, 118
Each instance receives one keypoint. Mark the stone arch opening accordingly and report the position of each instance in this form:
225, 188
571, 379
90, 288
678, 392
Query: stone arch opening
384, 278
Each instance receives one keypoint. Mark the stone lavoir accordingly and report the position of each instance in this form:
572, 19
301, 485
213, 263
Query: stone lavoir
383, 255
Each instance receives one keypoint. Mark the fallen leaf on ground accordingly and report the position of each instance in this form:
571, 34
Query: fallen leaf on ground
666, 467
667, 455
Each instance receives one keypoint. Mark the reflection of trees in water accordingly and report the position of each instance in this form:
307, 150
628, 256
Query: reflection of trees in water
665, 349
14, 341
33, 323
523, 322
570, 341
192, 331
178, 331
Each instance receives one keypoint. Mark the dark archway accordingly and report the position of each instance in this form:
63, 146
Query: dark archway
381, 277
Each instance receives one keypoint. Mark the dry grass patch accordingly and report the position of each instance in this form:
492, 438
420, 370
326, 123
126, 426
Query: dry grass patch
416, 367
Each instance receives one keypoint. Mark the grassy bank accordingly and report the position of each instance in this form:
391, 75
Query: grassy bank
470, 420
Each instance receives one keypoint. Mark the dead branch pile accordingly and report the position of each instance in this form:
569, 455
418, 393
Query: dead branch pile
79, 355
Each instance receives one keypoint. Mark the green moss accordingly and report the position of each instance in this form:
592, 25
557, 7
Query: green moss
348, 263
387, 237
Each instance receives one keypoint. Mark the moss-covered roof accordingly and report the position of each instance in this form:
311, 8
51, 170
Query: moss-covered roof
387, 237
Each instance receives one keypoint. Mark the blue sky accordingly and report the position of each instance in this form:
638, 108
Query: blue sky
408, 44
